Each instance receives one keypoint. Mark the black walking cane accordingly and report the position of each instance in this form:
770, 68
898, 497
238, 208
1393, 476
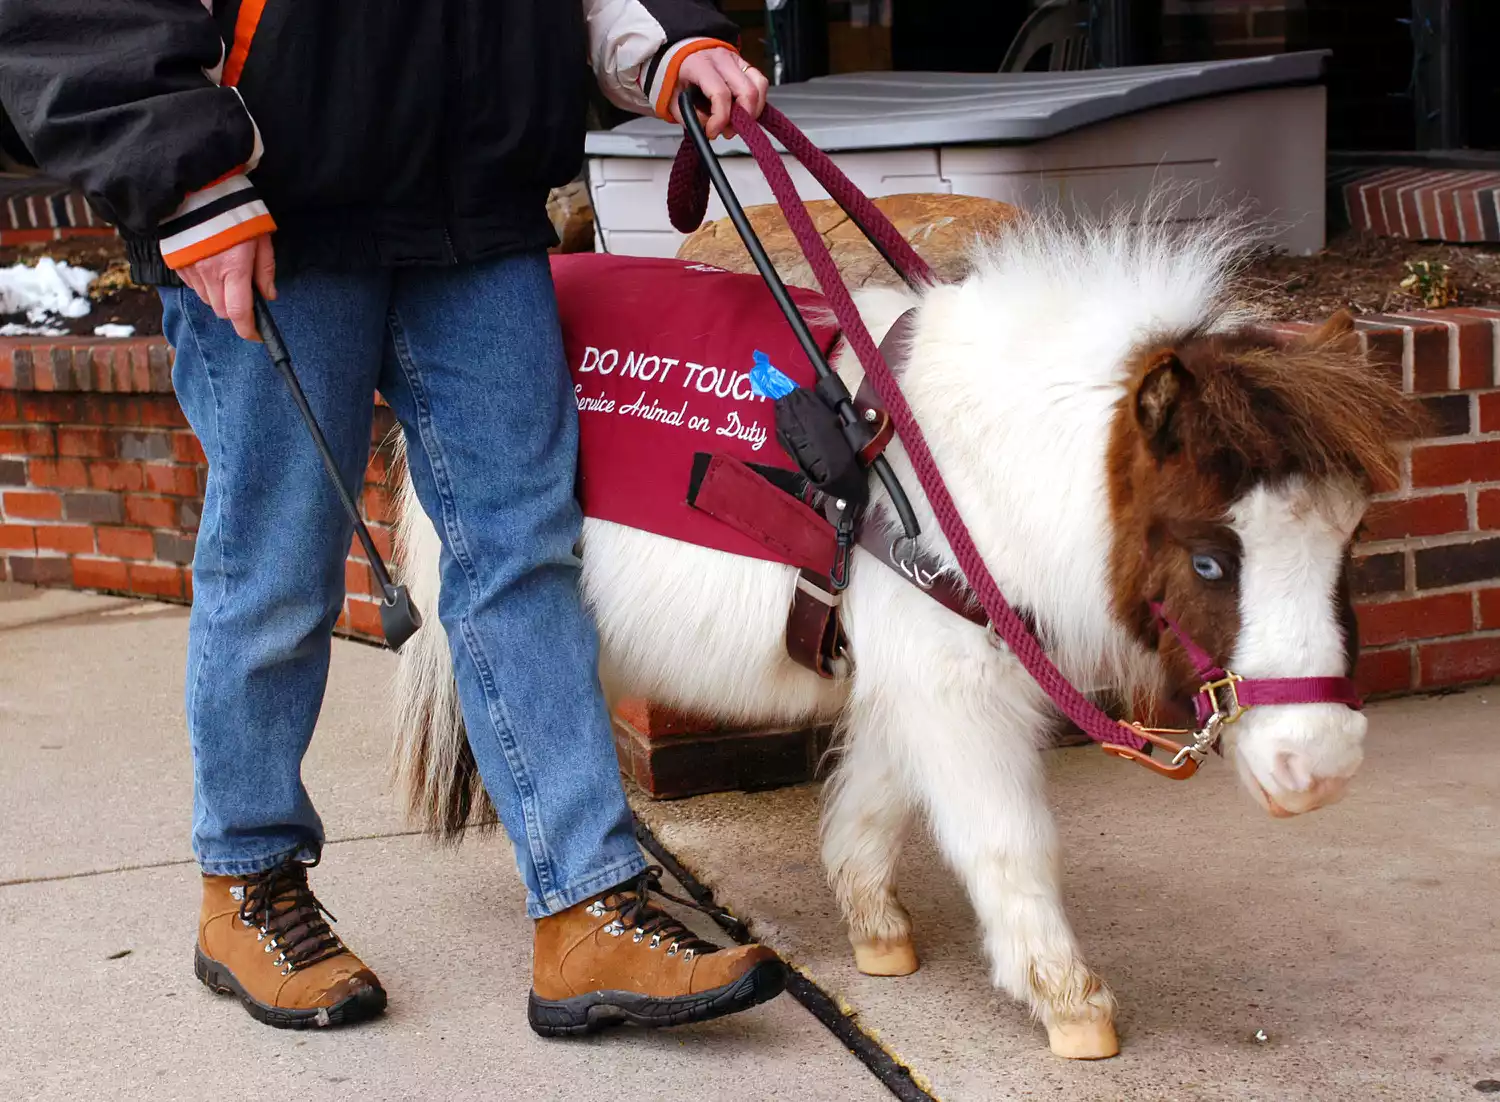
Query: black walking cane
399, 619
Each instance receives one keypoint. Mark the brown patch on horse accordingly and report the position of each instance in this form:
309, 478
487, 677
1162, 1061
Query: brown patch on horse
1205, 418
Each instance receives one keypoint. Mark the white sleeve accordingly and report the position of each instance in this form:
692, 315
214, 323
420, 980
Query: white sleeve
637, 46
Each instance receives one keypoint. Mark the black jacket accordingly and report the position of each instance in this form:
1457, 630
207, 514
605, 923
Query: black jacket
369, 132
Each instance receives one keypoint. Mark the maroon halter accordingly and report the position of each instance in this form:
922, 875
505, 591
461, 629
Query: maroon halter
1222, 699
1227, 695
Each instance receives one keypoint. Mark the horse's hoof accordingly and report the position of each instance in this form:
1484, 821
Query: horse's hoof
1087, 1040
885, 958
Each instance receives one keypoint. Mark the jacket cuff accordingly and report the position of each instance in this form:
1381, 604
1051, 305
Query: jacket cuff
661, 76
220, 216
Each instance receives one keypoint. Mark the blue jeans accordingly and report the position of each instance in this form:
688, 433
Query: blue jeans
471, 360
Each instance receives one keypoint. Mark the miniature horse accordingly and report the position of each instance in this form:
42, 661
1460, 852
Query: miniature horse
1114, 435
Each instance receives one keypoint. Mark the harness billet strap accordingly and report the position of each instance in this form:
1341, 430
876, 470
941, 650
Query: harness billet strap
923, 571
745, 499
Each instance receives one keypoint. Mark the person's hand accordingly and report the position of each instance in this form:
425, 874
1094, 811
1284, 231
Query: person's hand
223, 281
726, 79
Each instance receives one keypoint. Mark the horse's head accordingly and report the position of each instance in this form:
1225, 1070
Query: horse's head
1239, 472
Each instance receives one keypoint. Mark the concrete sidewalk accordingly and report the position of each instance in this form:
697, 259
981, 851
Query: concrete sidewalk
1364, 941
94, 863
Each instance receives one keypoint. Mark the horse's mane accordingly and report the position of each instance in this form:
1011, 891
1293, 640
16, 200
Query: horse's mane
1322, 409
1147, 280
1149, 268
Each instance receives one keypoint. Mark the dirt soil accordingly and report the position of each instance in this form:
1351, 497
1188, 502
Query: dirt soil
1363, 273
1356, 272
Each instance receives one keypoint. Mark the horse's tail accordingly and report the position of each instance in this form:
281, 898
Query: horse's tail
433, 763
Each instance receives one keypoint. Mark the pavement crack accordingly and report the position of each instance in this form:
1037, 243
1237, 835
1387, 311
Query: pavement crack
87, 873
147, 865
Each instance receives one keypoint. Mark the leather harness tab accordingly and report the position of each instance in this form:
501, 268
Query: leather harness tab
730, 491
925, 573
765, 504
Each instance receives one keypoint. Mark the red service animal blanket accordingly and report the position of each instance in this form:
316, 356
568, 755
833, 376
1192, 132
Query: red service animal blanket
661, 351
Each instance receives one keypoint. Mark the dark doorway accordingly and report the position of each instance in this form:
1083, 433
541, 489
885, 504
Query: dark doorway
955, 36
1369, 76
1481, 102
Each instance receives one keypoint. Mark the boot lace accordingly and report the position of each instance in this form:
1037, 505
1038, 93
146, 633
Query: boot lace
288, 917
636, 915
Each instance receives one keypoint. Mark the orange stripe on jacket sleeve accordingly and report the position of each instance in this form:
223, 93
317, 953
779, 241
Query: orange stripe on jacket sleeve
224, 239
219, 180
244, 31
668, 96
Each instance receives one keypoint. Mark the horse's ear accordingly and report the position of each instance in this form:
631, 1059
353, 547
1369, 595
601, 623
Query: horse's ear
1338, 329
1158, 399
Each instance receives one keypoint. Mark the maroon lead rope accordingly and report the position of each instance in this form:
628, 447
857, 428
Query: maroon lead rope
687, 202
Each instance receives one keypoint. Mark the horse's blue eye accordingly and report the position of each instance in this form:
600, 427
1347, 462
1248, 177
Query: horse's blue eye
1208, 568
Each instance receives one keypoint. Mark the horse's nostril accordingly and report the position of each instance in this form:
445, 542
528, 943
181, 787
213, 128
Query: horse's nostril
1291, 772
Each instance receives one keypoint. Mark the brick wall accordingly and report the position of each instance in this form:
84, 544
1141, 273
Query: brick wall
101, 483
1427, 570
101, 480
34, 209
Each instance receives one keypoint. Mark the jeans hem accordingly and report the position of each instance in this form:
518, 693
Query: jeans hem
564, 898
250, 866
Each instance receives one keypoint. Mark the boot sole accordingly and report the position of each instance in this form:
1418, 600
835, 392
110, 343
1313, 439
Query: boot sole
356, 1008
596, 1010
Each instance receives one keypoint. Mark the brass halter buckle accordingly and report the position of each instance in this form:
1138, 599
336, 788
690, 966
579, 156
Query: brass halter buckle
1217, 691
1186, 756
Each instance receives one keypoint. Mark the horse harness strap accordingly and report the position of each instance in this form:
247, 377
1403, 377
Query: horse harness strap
782, 510
923, 571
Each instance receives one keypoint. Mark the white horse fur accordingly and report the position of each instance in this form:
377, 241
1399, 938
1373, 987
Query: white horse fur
1014, 374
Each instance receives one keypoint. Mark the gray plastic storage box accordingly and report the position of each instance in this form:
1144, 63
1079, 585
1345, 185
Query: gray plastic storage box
1247, 130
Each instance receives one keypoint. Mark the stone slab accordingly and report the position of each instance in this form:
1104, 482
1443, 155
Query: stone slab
97, 773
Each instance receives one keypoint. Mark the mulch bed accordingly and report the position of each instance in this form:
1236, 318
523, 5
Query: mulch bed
1357, 272
1363, 274
122, 303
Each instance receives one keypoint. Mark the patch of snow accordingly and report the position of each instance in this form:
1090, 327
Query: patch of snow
16, 329
114, 330
48, 290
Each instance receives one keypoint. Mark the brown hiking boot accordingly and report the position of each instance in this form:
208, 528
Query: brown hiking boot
265, 939
616, 958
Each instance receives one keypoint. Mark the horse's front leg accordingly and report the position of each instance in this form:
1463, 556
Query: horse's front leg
973, 750
864, 823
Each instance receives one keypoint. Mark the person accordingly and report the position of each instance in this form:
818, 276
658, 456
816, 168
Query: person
379, 172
